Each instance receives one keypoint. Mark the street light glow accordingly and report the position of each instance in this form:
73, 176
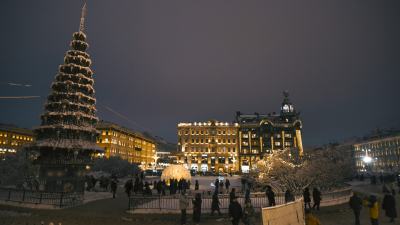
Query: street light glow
367, 159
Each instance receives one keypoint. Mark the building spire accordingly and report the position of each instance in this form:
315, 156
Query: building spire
83, 18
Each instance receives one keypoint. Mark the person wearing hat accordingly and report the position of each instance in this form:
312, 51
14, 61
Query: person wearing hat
373, 207
356, 203
310, 219
183, 204
235, 211
248, 212
389, 205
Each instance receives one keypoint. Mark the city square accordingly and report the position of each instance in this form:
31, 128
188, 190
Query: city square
192, 120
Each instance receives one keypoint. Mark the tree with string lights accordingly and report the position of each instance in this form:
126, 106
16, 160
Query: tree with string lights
66, 137
288, 169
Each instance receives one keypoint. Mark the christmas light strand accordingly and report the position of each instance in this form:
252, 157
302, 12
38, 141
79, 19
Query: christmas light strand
25, 85
5, 97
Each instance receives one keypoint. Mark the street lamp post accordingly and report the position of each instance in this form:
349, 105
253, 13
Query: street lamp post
155, 163
234, 164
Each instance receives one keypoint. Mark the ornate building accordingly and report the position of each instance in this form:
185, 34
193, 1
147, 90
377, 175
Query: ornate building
208, 146
128, 144
263, 133
379, 152
11, 137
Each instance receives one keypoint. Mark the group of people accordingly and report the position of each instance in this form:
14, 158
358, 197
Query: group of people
138, 187
219, 185
180, 186
388, 204
236, 212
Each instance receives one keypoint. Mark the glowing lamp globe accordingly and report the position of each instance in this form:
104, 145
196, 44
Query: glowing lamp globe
176, 172
367, 159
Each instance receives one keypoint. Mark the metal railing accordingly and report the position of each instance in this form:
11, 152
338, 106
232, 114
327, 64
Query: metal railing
172, 202
59, 199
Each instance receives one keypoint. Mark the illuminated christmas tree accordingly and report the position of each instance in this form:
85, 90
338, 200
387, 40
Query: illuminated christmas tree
66, 137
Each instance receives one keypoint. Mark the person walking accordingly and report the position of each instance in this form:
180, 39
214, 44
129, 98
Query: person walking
221, 187
393, 187
128, 187
317, 198
248, 214
183, 204
389, 205
180, 186
232, 195
287, 193
243, 183
215, 204
148, 192
196, 185
247, 196
155, 184
113, 186
197, 208
398, 183
271, 196
373, 207
306, 197
159, 187
355, 204
227, 184
216, 184
310, 219
235, 211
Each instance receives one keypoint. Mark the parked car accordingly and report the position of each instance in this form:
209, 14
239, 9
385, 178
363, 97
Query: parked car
223, 174
208, 173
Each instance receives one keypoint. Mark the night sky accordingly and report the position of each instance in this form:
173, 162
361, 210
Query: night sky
160, 63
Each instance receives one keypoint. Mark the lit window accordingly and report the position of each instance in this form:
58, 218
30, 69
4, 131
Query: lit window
277, 143
288, 135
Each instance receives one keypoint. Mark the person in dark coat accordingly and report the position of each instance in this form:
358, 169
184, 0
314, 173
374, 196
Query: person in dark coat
389, 205
227, 184
216, 184
197, 208
128, 187
355, 204
93, 180
159, 187
215, 204
243, 181
147, 191
271, 196
180, 186
235, 211
306, 197
184, 185
196, 185
287, 193
155, 184
317, 198
113, 186
247, 196
232, 195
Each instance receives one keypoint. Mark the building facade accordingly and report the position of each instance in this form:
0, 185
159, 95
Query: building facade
11, 137
379, 152
260, 134
129, 145
208, 146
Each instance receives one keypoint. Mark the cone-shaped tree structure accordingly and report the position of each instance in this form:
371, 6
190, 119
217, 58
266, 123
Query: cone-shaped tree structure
66, 137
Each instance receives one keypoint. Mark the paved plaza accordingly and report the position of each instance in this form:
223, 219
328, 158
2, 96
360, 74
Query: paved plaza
114, 211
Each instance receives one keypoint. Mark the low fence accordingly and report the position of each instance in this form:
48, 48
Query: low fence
291, 213
23, 196
160, 202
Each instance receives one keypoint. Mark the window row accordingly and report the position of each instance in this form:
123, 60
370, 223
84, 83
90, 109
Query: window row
212, 149
197, 132
213, 141
5, 150
379, 144
17, 137
266, 136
